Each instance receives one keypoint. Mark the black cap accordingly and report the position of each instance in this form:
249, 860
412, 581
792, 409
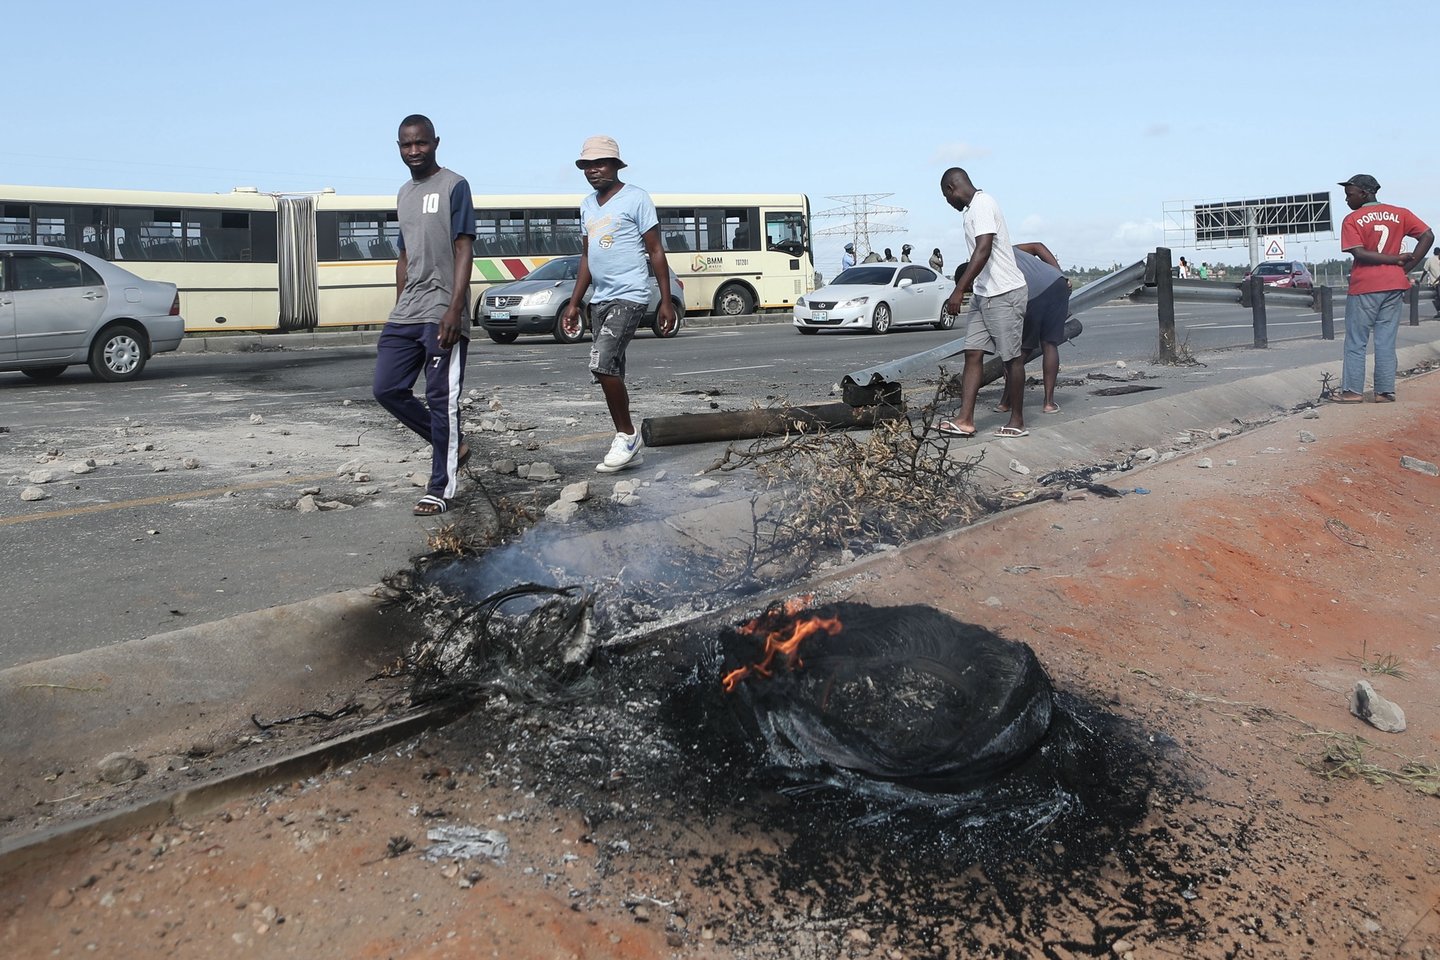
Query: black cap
1364, 181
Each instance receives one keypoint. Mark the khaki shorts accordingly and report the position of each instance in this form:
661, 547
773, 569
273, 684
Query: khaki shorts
613, 324
996, 323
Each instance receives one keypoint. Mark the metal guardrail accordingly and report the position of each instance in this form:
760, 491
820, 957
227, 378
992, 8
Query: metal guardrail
867, 386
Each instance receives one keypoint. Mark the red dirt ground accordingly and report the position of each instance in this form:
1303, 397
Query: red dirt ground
1226, 609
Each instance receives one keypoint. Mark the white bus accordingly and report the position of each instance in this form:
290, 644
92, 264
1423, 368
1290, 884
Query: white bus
252, 261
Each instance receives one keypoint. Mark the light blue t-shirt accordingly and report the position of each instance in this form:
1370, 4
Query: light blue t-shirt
616, 249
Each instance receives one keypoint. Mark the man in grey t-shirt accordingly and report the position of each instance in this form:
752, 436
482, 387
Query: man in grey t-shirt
429, 326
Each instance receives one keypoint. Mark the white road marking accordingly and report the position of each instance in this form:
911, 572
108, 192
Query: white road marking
691, 373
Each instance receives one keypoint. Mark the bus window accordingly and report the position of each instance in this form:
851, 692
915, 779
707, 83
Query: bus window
785, 231
15, 223
358, 235
677, 230
217, 235
500, 233
554, 233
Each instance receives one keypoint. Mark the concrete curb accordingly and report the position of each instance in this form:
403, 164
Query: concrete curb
53, 841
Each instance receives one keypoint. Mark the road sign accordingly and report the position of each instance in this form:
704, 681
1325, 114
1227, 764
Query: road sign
1274, 248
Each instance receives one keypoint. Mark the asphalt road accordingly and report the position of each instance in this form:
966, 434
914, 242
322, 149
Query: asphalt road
144, 545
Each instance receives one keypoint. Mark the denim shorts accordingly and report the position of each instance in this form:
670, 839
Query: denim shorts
612, 325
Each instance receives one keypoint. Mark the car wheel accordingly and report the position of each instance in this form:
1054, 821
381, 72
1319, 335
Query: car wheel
880, 322
807, 330
559, 332
43, 373
675, 331
946, 321
734, 300
502, 336
118, 354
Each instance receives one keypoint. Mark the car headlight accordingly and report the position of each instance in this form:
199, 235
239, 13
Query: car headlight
536, 299
799, 301
857, 302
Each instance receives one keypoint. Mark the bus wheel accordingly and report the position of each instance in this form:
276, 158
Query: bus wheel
43, 373
675, 330
559, 332
880, 323
502, 336
118, 354
734, 300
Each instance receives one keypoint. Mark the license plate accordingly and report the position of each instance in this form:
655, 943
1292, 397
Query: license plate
500, 315
820, 316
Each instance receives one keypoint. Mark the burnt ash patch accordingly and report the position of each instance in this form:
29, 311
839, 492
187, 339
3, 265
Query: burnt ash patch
1085, 838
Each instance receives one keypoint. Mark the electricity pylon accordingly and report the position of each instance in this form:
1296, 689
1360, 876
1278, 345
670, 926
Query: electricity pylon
858, 209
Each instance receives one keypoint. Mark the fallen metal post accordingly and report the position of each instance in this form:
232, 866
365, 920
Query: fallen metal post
1117, 284
774, 422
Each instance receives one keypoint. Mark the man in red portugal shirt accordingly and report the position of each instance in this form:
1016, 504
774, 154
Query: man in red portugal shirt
1372, 234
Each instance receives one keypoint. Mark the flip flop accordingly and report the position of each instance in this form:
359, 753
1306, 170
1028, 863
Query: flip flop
999, 409
431, 506
1056, 410
1384, 398
1012, 433
1341, 398
948, 428
464, 458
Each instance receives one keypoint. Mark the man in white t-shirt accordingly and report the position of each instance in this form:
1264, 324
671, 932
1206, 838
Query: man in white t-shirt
997, 313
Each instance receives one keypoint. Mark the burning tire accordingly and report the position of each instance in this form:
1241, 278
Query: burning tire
901, 694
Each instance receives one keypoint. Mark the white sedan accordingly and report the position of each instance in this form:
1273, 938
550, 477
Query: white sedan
877, 297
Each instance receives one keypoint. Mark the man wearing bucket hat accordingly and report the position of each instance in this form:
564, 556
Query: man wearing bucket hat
622, 230
1372, 234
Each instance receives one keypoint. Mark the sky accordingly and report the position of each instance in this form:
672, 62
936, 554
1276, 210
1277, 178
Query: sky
1086, 122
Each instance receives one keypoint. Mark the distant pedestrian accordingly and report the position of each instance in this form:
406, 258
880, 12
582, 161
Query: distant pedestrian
889, 257
1204, 271
905, 253
1184, 269
622, 231
937, 262
997, 314
871, 257
1431, 278
1372, 234
847, 259
429, 327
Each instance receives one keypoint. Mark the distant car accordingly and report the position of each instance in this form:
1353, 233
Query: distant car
60, 307
1284, 273
877, 297
534, 304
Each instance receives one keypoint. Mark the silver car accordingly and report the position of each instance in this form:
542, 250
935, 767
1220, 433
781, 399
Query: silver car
534, 305
877, 297
60, 307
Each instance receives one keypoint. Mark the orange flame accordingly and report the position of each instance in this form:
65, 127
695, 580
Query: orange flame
783, 635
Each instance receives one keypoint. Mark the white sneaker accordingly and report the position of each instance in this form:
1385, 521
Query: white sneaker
624, 452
